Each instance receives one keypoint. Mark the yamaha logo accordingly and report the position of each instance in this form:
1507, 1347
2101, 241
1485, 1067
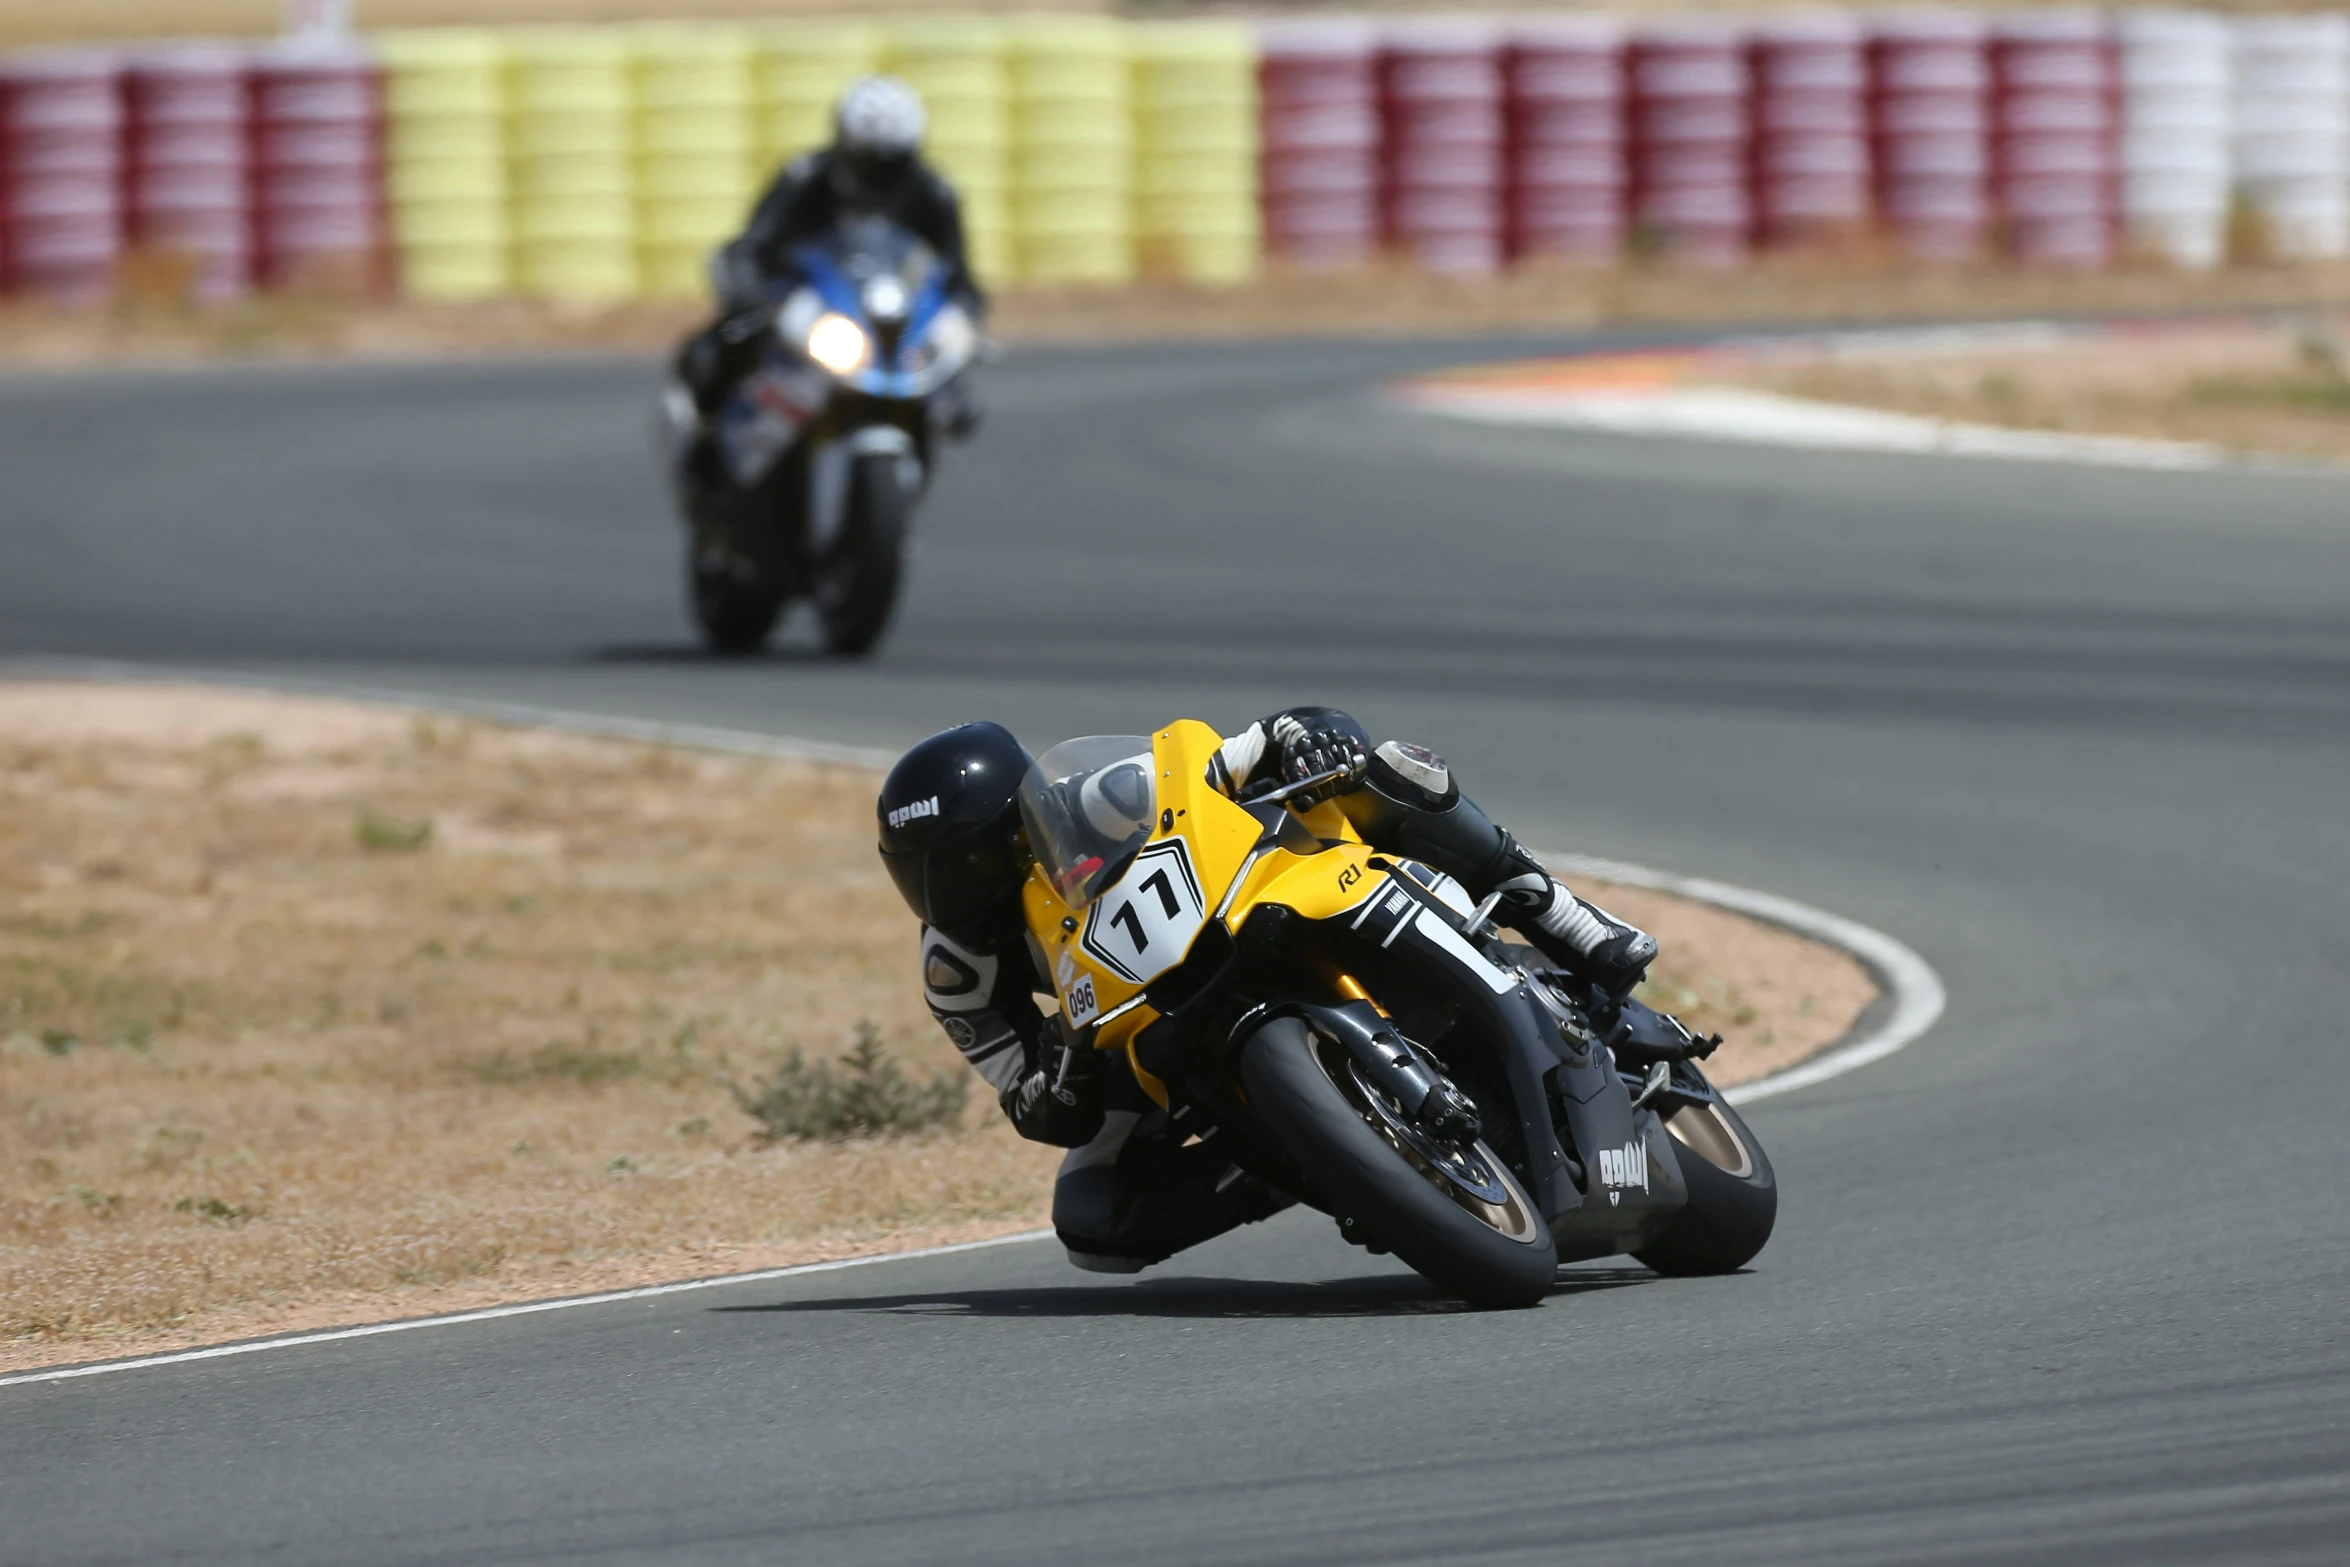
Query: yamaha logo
914, 812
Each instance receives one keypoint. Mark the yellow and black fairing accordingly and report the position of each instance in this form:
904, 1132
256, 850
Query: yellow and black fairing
1230, 914
1125, 959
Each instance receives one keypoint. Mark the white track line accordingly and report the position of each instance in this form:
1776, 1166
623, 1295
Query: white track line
1918, 996
1775, 419
701, 737
524, 1309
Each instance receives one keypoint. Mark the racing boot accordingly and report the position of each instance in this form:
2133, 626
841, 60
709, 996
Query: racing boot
1580, 937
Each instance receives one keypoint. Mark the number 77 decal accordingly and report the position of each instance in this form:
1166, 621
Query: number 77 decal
1142, 926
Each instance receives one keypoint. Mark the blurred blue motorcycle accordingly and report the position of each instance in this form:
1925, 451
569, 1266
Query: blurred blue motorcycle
803, 483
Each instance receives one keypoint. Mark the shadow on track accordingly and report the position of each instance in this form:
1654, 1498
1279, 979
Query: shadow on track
1379, 1295
683, 652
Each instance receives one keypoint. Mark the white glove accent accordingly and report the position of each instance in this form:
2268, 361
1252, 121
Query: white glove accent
1237, 757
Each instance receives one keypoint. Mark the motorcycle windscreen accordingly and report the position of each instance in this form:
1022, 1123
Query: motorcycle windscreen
1088, 805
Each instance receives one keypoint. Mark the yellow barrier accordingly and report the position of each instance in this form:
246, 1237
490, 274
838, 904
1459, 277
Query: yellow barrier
957, 64
1072, 150
609, 161
802, 68
1195, 118
572, 130
445, 162
697, 138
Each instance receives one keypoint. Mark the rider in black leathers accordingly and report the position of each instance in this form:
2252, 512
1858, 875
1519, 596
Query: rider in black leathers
1130, 1193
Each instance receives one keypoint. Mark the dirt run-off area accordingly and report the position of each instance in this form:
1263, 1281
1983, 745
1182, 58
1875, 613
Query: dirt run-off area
2278, 386
315, 1012
151, 323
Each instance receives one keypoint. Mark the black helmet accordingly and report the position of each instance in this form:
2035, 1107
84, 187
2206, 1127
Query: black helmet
949, 819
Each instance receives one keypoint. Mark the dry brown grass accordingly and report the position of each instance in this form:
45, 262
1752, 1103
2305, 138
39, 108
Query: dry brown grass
273, 1055
2280, 387
147, 326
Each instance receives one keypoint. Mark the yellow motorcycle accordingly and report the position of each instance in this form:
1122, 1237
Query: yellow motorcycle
1349, 1026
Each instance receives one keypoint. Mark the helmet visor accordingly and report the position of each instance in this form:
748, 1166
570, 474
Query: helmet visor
1088, 805
956, 887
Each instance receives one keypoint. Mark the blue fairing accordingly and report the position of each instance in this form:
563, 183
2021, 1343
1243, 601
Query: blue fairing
821, 268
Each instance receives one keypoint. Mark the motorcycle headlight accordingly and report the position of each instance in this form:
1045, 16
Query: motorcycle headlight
839, 344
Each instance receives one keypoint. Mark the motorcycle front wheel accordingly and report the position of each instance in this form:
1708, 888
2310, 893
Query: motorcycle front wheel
1453, 1212
735, 616
857, 581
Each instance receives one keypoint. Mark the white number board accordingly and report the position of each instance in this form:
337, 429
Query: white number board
1141, 927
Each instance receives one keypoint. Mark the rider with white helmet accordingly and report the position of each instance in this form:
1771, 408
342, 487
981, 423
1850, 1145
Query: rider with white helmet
872, 168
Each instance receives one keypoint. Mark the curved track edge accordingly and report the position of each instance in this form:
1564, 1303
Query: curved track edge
1914, 997
518, 1309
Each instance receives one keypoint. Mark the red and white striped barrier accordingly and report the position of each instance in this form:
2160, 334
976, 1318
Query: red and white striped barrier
318, 167
1930, 131
2056, 121
2055, 137
61, 148
1441, 185
1567, 193
1690, 116
1810, 145
1318, 85
189, 144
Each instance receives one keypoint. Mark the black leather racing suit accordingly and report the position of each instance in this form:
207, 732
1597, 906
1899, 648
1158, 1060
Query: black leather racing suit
1128, 1194
811, 196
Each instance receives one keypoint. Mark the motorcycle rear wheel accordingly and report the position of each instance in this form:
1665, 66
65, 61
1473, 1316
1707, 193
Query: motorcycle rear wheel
1733, 1195
857, 581
1490, 1254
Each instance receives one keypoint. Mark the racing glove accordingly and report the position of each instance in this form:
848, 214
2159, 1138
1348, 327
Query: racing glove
1306, 752
1061, 1101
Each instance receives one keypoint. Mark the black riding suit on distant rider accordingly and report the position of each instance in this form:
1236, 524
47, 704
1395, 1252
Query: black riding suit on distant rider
1130, 1192
811, 196
807, 200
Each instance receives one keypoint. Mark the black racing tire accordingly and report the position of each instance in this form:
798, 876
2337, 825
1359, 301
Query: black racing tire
736, 617
857, 581
1733, 1195
1360, 1172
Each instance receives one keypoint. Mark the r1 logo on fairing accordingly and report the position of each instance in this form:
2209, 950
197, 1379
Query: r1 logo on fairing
1622, 1167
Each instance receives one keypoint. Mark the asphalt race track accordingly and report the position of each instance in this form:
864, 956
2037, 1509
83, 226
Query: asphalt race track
2066, 1280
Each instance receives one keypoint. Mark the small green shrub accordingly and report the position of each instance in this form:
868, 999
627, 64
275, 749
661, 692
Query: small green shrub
866, 1094
384, 834
212, 1208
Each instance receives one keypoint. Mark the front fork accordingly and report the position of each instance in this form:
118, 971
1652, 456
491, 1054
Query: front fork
833, 459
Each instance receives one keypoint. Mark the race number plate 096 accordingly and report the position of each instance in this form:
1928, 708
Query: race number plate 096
1141, 927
